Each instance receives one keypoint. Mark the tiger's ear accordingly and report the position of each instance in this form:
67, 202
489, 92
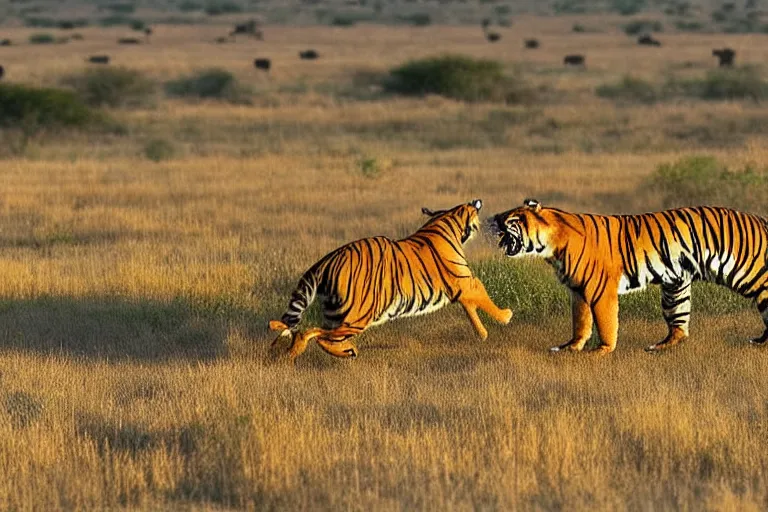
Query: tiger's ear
532, 204
429, 213
477, 203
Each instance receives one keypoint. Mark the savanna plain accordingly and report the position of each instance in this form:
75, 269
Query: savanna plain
140, 265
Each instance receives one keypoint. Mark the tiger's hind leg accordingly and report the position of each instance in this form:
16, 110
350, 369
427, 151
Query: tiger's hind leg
337, 341
582, 325
473, 296
676, 308
762, 307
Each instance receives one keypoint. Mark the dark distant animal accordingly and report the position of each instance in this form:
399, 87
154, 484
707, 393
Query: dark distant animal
76, 37
2, 71
222, 40
66, 25
309, 55
128, 40
726, 56
532, 43
492, 37
485, 23
99, 59
574, 60
5, 42
250, 28
263, 64
648, 40
147, 33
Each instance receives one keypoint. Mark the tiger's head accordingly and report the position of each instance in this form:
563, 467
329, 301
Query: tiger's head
525, 230
462, 220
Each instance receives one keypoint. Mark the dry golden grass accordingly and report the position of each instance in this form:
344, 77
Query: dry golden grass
134, 362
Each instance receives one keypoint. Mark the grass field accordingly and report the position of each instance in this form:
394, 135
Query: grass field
135, 369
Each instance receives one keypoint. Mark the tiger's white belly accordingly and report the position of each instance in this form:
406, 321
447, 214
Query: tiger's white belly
391, 311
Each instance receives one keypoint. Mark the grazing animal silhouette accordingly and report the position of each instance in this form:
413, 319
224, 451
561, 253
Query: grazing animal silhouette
493, 37
263, 64
250, 28
2, 71
99, 59
309, 55
726, 56
532, 43
5, 42
648, 40
128, 40
574, 60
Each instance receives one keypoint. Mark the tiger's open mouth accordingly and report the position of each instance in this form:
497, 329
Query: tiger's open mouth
511, 244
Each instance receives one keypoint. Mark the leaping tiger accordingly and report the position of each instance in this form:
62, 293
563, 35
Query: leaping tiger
600, 257
373, 280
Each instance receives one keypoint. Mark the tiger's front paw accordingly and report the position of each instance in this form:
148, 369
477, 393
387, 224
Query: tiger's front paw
506, 316
569, 346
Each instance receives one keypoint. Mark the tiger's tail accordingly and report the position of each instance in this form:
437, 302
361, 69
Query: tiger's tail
301, 298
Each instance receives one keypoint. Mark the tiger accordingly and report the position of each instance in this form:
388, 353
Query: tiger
600, 257
373, 280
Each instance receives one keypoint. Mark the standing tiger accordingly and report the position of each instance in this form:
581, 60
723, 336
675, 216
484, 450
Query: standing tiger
600, 257
373, 280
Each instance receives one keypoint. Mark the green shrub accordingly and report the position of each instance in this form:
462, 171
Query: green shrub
417, 19
138, 25
723, 84
158, 150
213, 83
31, 107
577, 27
116, 20
112, 87
190, 6
122, 8
42, 38
72, 24
701, 180
627, 7
636, 27
569, 7
630, 89
458, 77
344, 20
689, 26
37, 22
222, 7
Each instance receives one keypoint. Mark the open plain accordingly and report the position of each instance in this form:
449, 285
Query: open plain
136, 286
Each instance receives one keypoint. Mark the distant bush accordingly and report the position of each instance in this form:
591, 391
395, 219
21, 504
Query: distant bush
417, 19
627, 7
222, 7
112, 87
213, 83
636, 27
703, 180
116, 20
630, 89
569, 7
42, 38
456, 76
689, 26
31, 107
138, 25
37, 22
72, 24
158, 150
577, 27
122, 8
190, 6
723, 84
